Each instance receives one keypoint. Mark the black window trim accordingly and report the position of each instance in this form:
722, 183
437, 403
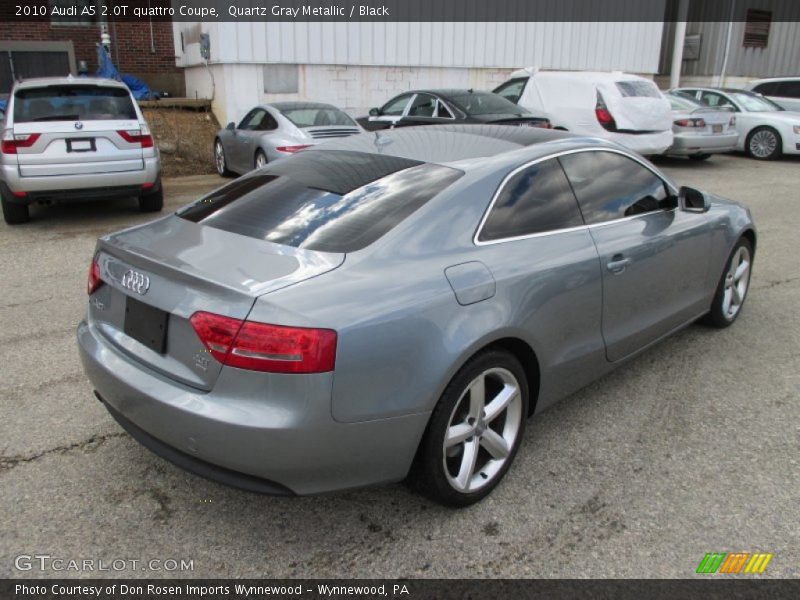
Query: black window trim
671, 188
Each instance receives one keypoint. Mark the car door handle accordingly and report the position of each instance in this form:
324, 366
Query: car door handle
617, 263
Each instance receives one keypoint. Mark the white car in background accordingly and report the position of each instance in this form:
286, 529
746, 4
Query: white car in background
783, 91
765, 130
699, 130
616, 106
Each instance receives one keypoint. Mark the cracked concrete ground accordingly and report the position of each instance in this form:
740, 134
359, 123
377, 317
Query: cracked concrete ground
691, 448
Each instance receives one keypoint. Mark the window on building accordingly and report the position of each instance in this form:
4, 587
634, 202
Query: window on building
756, 28
281, 79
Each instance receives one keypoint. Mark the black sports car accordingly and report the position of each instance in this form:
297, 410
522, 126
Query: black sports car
430, 107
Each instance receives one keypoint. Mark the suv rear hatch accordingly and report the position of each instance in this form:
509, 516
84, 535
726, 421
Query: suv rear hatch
293, 220
636, 106
78, 129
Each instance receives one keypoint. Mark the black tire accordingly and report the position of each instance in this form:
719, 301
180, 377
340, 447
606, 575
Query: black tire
221, 165
259, 154
429, 474
700, 156
14, 213
767, 133
719, 316
152, 202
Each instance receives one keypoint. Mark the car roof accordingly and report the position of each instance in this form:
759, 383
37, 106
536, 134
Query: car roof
467, 145
300, 105
35, 82
772, 79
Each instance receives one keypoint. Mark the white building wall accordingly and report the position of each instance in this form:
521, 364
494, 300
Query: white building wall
359, 65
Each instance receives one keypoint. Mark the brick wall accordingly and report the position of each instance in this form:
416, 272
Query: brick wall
130, 47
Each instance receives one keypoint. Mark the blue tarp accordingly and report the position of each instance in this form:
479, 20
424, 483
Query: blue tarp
106, 68
3, 105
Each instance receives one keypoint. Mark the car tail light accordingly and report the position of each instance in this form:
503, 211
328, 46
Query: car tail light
263, 347
690, 123
21, 140
603, 115
94, 278
292, 149
137, 136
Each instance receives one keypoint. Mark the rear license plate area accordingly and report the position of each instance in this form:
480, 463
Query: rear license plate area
716, 128
146, 324
81, 145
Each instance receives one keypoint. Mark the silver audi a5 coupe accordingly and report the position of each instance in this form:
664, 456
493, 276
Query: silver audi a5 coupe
396, 305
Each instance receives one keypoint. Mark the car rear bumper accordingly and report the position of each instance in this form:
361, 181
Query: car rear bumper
279, 433
67, 185
687, 144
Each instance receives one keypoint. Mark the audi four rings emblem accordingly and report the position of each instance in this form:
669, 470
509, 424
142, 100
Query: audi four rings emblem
136, 282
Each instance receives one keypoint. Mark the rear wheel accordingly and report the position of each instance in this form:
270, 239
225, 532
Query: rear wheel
474, 431
732, 287
700, 156
219, 159
763, 143
152, 202
14, 213
260, 160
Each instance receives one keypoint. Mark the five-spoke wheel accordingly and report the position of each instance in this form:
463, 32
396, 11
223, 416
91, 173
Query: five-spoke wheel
732, 287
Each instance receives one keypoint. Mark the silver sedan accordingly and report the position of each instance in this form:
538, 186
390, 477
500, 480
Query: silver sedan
398, 305
700, 130
272, 131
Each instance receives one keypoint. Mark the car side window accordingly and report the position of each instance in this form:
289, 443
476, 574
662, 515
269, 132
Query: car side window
442, 111
714, 99
535, 200
253, 119
268, 123
612, 186
767, 89
424, 105
789, 89
512, 90
396, 106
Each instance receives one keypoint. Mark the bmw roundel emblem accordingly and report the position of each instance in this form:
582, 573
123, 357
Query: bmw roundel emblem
78, 125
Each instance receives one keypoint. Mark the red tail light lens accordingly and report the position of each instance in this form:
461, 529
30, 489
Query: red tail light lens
94, 278
603, 115
690, 123
292, 149
12, 142
137, 137
263, 347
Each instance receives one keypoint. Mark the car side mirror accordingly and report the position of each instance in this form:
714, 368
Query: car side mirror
230, 126
692, 200
374, 112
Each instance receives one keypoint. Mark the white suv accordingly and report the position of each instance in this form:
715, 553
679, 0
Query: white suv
66, 138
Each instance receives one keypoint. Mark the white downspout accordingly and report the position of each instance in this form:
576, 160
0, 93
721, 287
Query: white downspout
721, 80
677, 49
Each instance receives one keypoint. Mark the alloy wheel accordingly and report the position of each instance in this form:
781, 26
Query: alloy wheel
736, 281
219, 158
763, 143
261, 160
482, 430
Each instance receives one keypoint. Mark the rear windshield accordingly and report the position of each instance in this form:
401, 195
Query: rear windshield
317, 117
73, 103
329, 201
485, 103
641, 89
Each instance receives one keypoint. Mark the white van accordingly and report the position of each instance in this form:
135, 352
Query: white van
616, 106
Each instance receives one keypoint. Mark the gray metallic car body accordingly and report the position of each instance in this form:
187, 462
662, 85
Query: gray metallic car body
241, 145
410, 309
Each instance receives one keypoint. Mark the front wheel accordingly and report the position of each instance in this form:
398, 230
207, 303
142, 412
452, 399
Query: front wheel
732, 287
474, 431
260, 160
763, 143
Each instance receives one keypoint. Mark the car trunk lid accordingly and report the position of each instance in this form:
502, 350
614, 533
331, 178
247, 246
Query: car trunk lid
637, 106
159, 274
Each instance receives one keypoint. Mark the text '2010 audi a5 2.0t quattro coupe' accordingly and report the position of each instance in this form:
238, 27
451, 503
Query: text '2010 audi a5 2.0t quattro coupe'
396, 305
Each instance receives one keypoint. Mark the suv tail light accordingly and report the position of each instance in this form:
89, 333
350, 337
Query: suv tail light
263, 347
603, 115
137, 136
292, 149
94, 278
22, 140
690, 123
